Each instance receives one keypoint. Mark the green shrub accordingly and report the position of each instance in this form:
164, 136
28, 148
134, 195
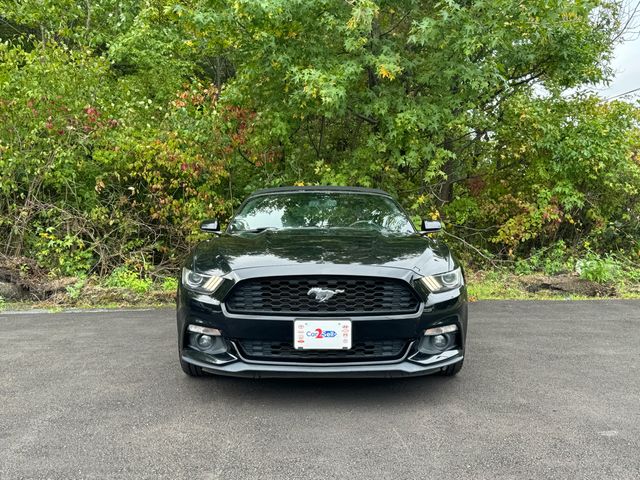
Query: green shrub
74, 291
67, 255
599, 269
550, 261
170, 284
123, 277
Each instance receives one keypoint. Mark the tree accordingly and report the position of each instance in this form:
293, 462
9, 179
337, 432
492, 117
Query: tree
175, 110
385, 92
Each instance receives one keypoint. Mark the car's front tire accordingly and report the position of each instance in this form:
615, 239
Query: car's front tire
192, 370
452, 370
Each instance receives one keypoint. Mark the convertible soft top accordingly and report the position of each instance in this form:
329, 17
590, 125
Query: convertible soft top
316, 188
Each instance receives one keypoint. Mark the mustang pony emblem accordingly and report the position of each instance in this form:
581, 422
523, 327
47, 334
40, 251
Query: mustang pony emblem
323, 294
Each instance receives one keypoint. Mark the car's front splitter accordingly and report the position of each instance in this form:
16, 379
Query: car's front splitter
242, 368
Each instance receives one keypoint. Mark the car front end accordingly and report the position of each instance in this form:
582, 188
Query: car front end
322, 303
246, 327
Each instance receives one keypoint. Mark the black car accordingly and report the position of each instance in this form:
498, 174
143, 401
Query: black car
322, 282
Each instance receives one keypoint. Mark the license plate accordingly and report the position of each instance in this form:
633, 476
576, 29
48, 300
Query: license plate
322, 334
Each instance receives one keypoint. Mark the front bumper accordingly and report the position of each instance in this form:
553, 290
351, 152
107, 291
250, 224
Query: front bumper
436, 311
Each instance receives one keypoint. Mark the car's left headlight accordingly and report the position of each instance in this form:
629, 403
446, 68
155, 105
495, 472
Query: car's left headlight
444, 281
199, 282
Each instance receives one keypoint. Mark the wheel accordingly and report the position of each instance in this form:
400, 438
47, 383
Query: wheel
192, 370
452, 370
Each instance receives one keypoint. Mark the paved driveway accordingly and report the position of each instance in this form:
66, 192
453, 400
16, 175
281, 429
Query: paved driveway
549, 390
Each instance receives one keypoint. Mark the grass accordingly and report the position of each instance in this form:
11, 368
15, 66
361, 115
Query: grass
88, 293
507, 289
502, 285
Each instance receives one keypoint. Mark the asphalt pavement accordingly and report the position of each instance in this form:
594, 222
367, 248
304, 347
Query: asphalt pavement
548, 390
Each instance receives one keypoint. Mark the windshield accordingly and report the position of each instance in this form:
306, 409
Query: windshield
321, 210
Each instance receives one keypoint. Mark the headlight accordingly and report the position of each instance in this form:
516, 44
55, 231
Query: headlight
443, 281
200, 283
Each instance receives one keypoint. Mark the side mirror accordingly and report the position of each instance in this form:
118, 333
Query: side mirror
431, 226
210, 226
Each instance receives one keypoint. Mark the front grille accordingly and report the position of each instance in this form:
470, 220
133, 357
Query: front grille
377, 350
290, 296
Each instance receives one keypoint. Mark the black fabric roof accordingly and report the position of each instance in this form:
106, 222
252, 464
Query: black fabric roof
315, 188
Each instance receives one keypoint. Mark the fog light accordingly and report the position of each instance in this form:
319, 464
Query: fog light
436, 344
205, 342
440, 341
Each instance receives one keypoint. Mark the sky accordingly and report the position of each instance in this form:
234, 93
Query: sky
626, 57
626, 65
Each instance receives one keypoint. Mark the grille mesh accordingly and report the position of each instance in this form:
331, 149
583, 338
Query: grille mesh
361, 351
290, 295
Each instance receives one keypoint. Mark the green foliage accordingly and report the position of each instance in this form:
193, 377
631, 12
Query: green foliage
124, 277
598, 269
67, 256
170, 284
558, 259
568, 169
608, 268
126, 123
74, 291
550, 261
93, 178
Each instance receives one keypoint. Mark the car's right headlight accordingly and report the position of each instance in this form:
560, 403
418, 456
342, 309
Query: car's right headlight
444, 281
198, 282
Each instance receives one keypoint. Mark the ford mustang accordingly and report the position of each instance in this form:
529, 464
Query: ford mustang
321, 282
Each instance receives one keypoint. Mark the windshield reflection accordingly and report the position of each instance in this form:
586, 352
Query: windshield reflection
321, 210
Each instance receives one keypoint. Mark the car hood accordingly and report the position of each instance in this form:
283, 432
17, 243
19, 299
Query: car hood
280, 248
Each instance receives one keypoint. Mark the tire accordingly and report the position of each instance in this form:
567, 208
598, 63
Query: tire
192, 370
452, 370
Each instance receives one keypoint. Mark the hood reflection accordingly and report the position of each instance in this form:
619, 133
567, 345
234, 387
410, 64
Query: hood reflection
321, 246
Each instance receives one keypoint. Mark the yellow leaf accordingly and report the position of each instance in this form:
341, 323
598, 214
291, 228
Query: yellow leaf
384, 72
